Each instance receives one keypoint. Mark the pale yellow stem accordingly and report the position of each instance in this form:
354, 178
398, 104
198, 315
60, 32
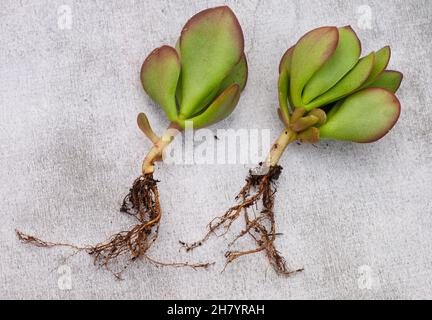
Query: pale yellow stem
279, 146
157, 150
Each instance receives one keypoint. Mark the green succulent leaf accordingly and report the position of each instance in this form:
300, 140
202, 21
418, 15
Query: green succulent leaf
159, 76
283, 81
220, 108
389, 80
338, 65
309, 55
179, 96
348, 84
286, 60
238, 74
179, 84
211, 45
177, 46
334, 108
364, 116
382, 58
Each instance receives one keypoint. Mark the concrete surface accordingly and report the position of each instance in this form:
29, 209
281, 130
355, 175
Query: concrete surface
358, 218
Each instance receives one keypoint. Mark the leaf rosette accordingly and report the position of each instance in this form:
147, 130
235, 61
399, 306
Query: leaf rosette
200, 80
326, 90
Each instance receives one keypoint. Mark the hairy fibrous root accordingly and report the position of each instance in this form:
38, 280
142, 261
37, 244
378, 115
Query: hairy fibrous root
261, 228
142, 202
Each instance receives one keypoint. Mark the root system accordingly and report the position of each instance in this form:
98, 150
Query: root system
142, 202
258, 189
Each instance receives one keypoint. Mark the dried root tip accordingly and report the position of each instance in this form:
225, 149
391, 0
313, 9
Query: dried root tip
25, 238
259, 189
28, 239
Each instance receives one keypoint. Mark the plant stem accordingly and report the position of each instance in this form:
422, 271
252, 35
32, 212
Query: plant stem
156, 151
279, 146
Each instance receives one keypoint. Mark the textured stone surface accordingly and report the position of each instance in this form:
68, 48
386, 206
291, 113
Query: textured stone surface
358, 218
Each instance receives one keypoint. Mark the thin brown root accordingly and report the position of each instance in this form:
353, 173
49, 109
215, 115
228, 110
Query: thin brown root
28, 239
194, 266
258, 189
142, 202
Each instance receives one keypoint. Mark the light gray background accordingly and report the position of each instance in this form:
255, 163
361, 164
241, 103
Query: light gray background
69, 149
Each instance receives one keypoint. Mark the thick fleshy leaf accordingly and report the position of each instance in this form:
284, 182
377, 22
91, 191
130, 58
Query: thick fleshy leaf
211, 44
179, 96
177, 46
340, 63
286, 59
382, 58
389, 80
237, 75
220, 108
159, 76
364, 116
309, 55
283, 81
333, 108
348, 84
144, 125
179, 84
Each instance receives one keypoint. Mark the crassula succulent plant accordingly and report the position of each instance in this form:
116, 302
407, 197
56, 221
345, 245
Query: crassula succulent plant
324, 70
199, 82
326, 91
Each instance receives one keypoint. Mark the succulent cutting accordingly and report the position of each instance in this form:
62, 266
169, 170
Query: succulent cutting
198, 82
325, 91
